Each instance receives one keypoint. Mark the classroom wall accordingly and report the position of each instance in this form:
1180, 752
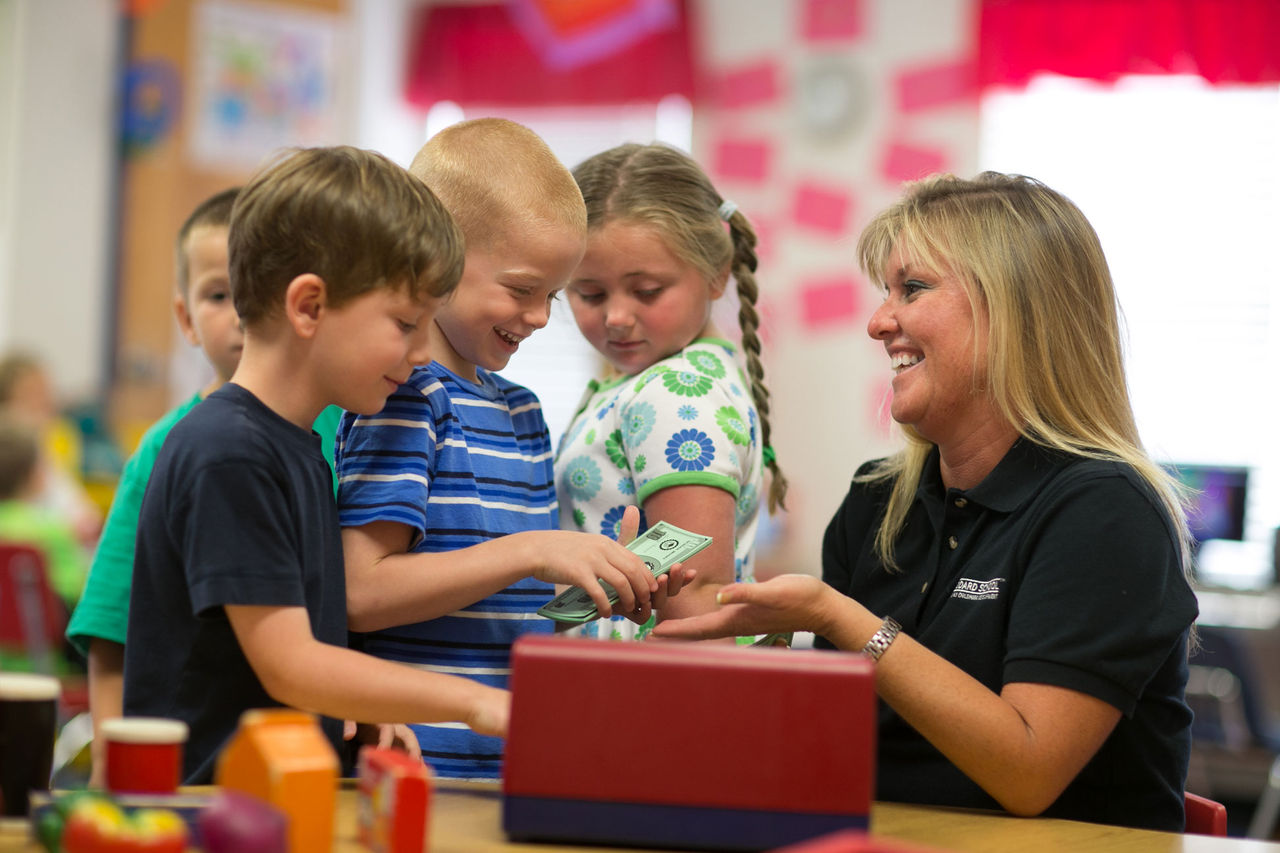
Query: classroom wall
858, 102
57, 166
887, 62
216, 139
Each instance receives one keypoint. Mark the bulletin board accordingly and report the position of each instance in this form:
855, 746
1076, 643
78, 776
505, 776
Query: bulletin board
211, 87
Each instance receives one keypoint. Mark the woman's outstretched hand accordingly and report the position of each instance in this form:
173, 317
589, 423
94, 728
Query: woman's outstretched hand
785, 603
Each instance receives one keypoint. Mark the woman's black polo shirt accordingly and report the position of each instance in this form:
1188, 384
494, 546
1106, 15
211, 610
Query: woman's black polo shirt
1055, 569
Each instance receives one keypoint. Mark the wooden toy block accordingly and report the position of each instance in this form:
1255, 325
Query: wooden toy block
281, 756
394, 799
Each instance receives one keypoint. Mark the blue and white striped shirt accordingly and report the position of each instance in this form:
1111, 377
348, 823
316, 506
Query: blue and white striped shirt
461, 463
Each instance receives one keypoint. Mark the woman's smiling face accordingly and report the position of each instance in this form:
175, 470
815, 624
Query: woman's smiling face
937, 349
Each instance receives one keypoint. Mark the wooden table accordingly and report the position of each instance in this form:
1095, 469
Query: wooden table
467, 818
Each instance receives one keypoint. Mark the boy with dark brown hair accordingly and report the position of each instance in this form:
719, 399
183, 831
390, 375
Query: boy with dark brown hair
338, 258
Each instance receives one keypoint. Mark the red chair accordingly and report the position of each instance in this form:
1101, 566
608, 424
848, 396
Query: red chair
1204, 816
32, 617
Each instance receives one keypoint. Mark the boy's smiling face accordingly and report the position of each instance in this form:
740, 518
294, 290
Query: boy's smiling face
504, 296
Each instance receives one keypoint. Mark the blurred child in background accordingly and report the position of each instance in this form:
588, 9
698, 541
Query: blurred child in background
27, 394
24, 520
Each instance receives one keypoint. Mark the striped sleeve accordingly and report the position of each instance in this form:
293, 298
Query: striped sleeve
384, 462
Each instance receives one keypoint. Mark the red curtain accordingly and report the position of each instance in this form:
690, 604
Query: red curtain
1223, 41
474, 54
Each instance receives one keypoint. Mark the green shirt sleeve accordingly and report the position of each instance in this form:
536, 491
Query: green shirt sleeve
326, 426
103, 609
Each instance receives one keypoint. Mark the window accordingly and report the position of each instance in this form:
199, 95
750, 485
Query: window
1182, 182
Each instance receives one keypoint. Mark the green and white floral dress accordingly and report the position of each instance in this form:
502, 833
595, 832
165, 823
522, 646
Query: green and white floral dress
687, 420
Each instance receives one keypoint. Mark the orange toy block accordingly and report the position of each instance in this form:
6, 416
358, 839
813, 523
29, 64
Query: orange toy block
281, 756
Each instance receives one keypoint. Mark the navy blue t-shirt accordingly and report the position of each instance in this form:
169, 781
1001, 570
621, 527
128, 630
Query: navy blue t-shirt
1055, 569
239, 510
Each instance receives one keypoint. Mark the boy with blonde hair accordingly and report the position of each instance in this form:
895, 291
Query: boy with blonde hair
447, 496
337, 259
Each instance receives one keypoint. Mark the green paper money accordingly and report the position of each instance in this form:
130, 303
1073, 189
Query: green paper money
661, 547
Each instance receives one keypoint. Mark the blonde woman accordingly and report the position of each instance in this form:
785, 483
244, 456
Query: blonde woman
1017, 571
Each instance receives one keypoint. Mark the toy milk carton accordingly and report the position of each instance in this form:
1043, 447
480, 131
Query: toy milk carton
283, 757
740, 748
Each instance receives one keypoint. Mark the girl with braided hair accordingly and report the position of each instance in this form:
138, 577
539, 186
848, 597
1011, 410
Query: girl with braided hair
679, 426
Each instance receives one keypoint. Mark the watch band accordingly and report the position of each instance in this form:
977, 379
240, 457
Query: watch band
880, 640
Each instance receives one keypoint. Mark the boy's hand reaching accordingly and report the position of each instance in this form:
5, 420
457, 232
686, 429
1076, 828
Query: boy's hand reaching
572, 559
384, 735
669, 585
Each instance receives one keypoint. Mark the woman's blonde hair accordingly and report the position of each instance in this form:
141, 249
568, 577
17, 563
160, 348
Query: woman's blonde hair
1054, 366
662, 187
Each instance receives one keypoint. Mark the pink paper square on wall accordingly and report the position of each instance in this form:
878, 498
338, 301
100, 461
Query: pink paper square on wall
742, 159
832, 20
749, 86
821, 208
904, 162
939, 85
828, 302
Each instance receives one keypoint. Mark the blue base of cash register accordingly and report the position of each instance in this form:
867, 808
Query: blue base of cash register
648, 825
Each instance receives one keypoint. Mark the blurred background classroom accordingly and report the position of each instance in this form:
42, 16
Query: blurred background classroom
1160, 118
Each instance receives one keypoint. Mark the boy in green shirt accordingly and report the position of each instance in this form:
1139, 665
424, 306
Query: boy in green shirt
207, 319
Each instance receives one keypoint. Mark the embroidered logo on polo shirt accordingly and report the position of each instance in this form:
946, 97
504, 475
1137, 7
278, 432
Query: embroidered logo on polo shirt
977, 590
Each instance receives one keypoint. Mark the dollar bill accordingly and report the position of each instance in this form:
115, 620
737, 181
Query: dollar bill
661, 547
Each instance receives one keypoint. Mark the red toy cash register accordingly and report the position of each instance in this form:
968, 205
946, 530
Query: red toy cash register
686, 744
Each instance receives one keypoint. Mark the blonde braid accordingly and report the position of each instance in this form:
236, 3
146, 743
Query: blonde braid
743, 269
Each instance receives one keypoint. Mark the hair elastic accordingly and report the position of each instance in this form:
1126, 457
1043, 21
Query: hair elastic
769, 456
727, 209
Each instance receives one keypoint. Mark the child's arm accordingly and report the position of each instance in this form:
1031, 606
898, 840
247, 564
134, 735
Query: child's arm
298, 670
387, 586
106, 698
702, 509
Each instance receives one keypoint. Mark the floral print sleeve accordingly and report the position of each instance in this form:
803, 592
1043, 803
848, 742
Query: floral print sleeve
688, 420
694, 424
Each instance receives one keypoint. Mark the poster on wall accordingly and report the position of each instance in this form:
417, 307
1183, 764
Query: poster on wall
264, 78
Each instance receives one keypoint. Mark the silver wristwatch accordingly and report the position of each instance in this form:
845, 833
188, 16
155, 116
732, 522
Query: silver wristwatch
881, 639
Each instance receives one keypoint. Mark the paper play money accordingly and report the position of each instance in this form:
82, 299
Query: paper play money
661, 547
